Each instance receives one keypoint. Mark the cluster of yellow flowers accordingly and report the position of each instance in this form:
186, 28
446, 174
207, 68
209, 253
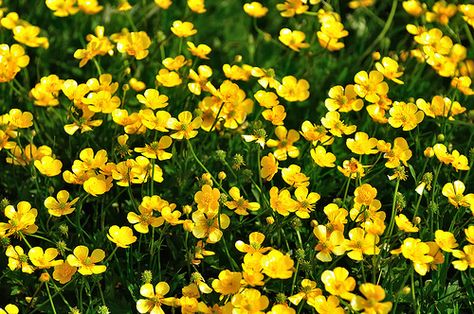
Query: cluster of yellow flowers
169, 113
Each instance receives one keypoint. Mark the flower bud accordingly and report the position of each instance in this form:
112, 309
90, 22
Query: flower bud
429, 152
147, 276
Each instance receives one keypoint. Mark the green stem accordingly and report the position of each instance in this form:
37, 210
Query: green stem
382, 34
293, 284
50, 299
111, 255
394, 207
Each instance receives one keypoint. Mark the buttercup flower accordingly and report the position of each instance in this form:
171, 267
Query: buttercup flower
121, 236
155, 298
255, 9
87, 264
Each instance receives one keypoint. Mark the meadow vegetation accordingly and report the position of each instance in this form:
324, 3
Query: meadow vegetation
281, 156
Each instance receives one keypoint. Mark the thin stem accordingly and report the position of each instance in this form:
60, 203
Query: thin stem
394, 207
50, 299
384, 31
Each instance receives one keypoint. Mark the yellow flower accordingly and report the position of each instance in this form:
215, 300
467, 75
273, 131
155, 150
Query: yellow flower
418, 253
87, 264
174, 64
152, 99
48, 166
465, 258
308, 290
469, 232
168, 78
336, 216
455, 194
338, 282
328, 243
102, 101
255, 9
365, 194
185, 126
249, 301
352, 168
60, 206
281, 202
440, 107
142, 222
361, 144
275, 115
12, 60
404, 224
468, 13
282, 308
134, 44
197, 6
355, 4
442, 12
62, 8
252, 270
460, 162
255, 244
331, 31
332, 121
315, 133
266, 99
399, 153
276, 265
207, 199
269, 167
98, 185
200, 79
121, 236
405, 115
20, 220
266, 77
183, 29
45, 93
155, 298
228, 282
201, 51
17, 259
360, 243
10, 309
294, 177
44, 259
156, 149
445, 240
209, 225
413, 7
323, 158
163, 4
293, 39
89, 6
240, 205
19, 119
389, 68
136, 85
293, 89
373, 294
236, 72
284, 143
291, 7
305, 201
370, 86
28, 35
343, 99
64, 272
326, 306
441, 152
